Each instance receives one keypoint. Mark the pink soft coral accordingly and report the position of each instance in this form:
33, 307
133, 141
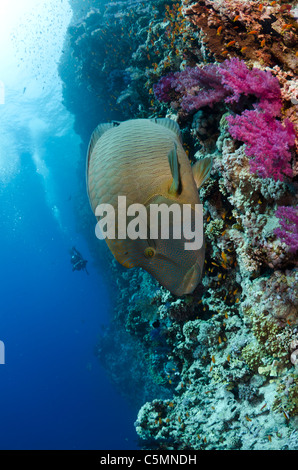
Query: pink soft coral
288, 230
267, 141
204, 86
239, 80
194, 87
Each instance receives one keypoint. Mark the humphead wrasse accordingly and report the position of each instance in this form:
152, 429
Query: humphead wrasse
144, 160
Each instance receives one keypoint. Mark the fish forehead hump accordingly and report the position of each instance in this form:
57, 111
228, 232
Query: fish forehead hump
132, 160
137, 142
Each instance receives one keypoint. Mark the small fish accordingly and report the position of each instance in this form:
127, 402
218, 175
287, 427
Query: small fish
253, 32
219, 30
260, 7
230, 43
224, 257
236, 18
286, 415
286, 26
243, 49
144, 160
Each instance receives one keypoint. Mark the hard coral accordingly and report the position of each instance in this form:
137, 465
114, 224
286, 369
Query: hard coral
258, 31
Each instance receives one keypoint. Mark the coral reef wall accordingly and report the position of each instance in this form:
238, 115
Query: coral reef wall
216, 369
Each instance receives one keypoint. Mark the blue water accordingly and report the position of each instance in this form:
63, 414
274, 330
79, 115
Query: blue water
53, 392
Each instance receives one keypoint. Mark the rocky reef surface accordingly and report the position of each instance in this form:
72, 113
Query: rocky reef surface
216, 369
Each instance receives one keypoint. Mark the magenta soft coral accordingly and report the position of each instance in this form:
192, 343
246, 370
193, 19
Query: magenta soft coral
204, 86
268, 142
288, 230
239, 80
194, 87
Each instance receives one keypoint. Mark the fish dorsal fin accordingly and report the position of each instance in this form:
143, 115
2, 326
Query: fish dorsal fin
169, 124
201, 170
174, 166
97, 133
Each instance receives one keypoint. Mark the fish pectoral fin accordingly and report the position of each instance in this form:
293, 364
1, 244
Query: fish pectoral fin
201, 170
174, 165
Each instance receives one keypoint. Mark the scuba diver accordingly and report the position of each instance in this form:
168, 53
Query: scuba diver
77, 260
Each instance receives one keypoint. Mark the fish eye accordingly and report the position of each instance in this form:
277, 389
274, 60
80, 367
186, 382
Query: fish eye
149, 252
